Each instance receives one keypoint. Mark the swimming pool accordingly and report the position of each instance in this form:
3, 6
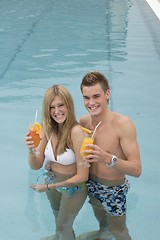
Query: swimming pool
48, 42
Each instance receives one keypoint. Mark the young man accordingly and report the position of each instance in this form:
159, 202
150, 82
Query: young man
115, 154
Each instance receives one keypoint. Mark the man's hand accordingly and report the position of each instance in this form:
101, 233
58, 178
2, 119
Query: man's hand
96, 154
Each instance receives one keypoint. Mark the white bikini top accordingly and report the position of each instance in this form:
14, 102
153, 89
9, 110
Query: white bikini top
67, 158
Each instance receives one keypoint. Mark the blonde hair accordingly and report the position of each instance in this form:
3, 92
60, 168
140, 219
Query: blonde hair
50, 125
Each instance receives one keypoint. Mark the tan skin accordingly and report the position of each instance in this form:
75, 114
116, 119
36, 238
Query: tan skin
116, 135
67, 174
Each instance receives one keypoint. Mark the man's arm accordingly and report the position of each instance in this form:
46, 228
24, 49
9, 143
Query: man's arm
129, 162
128, 142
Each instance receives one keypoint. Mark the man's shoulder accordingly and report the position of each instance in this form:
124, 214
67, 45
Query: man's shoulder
84, 119
120, 117
122, 121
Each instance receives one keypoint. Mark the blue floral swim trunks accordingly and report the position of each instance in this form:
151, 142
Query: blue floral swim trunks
113, 198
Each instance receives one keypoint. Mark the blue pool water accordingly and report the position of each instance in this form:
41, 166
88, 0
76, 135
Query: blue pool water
48, 42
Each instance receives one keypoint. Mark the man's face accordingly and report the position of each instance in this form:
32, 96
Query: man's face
95, 99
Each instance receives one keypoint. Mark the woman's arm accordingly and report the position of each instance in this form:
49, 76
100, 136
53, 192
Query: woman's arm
77, 136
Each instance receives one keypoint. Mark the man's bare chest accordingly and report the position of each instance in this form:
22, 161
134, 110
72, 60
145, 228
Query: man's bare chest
108, 140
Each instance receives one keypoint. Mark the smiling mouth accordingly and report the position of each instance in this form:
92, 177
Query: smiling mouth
59, 116
93, 108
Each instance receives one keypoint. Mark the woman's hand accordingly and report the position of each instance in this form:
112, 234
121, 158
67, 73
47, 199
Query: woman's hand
29, 142
39, 187
48, 166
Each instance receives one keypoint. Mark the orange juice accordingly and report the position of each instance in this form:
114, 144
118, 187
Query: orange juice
34, 132
87, 140
35, 137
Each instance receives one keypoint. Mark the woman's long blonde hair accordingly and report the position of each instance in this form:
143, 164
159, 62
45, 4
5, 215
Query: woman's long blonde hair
51, 126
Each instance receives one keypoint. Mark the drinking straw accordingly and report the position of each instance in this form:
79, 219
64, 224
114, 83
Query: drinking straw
95, 129
35, 120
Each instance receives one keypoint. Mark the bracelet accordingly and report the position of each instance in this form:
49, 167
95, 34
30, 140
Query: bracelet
48, 187
32, 151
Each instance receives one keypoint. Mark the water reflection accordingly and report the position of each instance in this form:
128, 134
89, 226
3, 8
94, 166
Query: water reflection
116, 29
116, 34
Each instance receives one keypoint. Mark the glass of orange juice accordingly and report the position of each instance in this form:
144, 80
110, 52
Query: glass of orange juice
88, 139
34, 132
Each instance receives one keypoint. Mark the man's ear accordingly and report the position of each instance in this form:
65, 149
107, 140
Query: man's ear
107, 94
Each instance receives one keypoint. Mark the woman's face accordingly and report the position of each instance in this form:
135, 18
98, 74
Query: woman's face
58, 110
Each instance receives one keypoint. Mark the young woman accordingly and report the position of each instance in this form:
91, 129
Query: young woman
61, 139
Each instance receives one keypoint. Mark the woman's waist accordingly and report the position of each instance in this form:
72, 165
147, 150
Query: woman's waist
61, 172
59, 176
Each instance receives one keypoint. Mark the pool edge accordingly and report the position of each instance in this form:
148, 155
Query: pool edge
155, 6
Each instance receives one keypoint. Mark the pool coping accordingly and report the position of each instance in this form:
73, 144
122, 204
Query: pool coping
155, 5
